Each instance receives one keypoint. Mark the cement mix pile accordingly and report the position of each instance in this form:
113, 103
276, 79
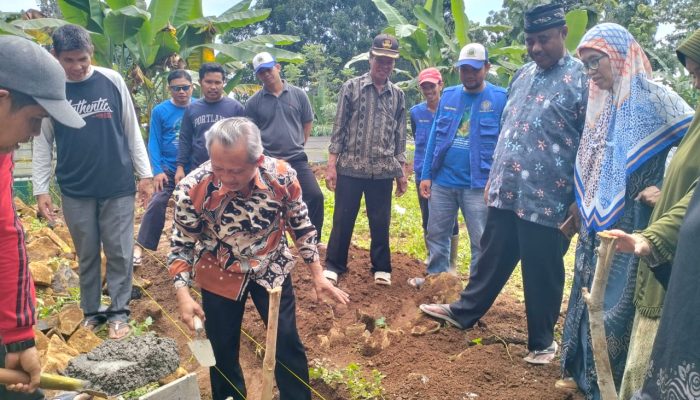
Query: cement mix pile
120, 366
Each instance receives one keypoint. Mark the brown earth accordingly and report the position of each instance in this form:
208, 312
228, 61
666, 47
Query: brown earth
445, 363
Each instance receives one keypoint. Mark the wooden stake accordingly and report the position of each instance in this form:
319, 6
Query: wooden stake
594, 300
268, 370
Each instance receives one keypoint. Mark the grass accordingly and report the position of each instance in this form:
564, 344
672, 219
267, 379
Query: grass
406, 235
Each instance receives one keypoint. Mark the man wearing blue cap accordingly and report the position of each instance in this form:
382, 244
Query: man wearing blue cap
285, 118
530, 188
459, 155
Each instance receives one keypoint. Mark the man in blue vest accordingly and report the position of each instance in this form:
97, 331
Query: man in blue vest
458, 156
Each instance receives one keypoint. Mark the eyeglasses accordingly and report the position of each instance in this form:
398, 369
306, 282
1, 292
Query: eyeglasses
593, 64
184, 88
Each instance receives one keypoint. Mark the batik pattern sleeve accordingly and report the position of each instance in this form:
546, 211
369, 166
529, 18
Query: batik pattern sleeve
342, 116
400, 131
187, 229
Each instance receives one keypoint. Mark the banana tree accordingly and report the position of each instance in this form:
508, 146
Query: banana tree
143, 41
429, 44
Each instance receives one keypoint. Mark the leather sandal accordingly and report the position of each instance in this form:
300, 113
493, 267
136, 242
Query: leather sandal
119, 330
382, 278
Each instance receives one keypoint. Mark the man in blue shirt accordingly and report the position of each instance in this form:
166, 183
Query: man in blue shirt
458, 156
530, 188
163, 136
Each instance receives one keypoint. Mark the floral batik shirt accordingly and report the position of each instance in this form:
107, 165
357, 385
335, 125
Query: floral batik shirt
533, 168
242, 235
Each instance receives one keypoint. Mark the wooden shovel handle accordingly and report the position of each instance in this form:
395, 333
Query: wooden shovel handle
48, 381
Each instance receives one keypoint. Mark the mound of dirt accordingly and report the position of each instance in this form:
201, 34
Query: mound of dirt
382, 329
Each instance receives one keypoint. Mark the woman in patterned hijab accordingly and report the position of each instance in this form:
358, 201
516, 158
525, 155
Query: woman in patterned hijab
631, 122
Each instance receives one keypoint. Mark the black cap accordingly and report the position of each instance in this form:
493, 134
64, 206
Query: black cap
544, 17
385, 45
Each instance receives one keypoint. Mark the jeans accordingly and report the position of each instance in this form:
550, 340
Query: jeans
153, 219
425, 213
348, 193
444, 204
106, 224
223, 327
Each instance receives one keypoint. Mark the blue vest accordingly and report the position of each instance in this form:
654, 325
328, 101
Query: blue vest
421, 123
483, 132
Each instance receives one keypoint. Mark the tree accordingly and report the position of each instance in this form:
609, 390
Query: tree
143, 43
343, 27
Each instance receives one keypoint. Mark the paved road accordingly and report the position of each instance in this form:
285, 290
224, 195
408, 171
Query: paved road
317, 149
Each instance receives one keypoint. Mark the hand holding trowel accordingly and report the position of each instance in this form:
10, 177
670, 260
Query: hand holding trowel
200, 345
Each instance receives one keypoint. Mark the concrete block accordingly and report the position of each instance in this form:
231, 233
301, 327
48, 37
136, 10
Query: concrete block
185, 388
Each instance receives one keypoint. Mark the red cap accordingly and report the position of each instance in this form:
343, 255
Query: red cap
431, 75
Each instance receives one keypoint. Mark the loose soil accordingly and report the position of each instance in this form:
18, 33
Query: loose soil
445, 363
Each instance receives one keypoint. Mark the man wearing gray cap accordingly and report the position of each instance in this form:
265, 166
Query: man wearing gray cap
285, 118
32, 87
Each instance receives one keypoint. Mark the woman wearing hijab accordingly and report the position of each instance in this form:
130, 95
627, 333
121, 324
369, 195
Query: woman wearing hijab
653, 273
631, 122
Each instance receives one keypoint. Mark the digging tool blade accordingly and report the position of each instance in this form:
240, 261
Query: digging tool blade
201, 347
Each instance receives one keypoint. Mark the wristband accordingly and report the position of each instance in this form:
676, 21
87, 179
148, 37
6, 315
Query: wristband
16, 347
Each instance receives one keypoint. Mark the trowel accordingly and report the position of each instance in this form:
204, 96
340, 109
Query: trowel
201, 347
50, 381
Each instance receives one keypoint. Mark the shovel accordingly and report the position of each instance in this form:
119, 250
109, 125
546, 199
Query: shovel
49, 381
201, 347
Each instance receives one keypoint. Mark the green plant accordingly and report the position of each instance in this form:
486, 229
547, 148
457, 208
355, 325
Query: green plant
380, 322
352, 378
139, 328
136, 393
45, 310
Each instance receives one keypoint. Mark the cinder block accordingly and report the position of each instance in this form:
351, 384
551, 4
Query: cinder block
185, 388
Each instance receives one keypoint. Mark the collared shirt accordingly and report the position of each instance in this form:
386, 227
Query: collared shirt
369, 132
281, 120
533, 167
244, 234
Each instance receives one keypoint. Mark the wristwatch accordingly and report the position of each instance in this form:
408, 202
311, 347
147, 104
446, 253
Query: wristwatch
16, 347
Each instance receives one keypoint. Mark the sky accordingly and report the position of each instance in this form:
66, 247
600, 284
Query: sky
477, 10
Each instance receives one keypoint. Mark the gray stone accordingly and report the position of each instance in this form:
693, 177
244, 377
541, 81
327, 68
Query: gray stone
64, 278
119, 366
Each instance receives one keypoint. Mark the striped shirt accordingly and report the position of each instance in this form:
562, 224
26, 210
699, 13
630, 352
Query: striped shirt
369, 132
17, 297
